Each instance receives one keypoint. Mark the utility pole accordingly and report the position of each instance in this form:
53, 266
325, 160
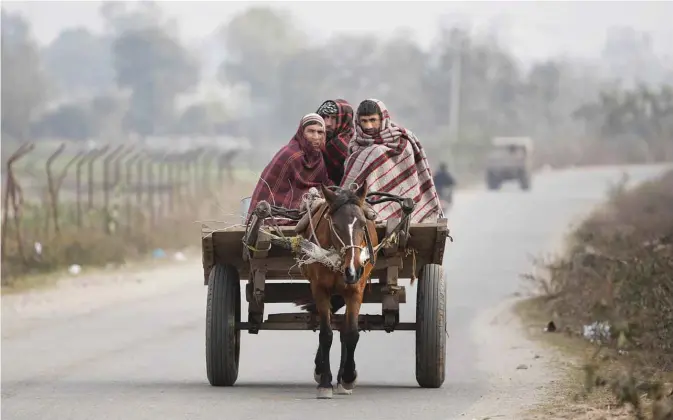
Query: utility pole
454, 107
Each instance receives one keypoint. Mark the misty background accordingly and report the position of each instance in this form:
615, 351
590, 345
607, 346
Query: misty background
589, 82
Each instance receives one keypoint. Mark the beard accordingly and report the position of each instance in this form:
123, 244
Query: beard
370, 131
330, 135
318, 147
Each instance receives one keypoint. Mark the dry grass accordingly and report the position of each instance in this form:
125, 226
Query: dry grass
91, 246
593, 375
618, 270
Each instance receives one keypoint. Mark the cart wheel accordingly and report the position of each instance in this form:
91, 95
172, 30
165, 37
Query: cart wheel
223, 339
431, 327
492, 181
524, 181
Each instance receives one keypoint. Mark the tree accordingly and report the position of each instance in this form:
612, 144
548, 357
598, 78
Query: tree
543, 80
23, 80
70, 121
628, 55
258, 42
154, 65
207, 118
80, 61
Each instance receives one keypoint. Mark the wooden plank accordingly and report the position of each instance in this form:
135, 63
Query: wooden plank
291, 292
207, 256
440, 242
228, 249
256, 301
391, 249
295, 326
262, 246
305, 321
390, 303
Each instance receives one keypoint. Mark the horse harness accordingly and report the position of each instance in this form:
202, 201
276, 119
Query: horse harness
322, 214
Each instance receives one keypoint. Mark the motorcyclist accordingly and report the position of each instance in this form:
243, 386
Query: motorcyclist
444, 183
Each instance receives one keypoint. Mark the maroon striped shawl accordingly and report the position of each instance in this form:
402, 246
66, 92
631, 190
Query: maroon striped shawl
336, 149
393, 161
292, 172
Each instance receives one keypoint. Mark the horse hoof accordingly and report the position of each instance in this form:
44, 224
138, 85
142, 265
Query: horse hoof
316, 377
324, 393
350, 385
344, 389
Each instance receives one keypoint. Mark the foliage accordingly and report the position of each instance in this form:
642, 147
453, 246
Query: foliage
24, 85
79, 61
616, 109
156, 68
618, 270
137, 208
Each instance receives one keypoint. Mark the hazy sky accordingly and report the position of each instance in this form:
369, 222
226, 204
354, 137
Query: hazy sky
530, 29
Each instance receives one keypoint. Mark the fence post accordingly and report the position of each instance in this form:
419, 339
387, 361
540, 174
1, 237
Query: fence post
106, 185
128, 189
151, 188
53, 212
93, 159
59, 184
78, 181
13, 193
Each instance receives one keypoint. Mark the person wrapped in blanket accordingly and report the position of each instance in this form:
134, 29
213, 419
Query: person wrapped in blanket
389, 158
338, 116
295, 168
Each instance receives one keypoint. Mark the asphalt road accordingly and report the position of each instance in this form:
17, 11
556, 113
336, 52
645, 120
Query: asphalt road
143, 356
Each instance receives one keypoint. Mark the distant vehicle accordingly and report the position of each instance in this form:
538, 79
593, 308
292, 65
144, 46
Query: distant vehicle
510, 158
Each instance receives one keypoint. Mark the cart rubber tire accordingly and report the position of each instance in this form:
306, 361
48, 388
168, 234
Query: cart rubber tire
431, 327
223, 339
492, 181
524, 181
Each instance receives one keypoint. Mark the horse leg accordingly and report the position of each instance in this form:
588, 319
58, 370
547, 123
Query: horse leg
322, 300
342, 362
337, 302
350, 336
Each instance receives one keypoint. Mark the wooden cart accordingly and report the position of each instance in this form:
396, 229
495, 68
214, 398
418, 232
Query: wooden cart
418, 252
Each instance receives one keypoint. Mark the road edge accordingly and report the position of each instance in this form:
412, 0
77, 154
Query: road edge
520, 372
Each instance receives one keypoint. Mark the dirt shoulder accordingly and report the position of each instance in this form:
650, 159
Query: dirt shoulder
604, 311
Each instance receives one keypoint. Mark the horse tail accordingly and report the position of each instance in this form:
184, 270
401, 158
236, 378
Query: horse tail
308, 305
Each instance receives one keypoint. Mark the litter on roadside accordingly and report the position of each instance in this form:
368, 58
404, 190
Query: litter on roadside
596, 332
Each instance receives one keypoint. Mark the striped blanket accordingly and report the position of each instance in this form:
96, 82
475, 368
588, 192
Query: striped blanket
294, 169
393, 161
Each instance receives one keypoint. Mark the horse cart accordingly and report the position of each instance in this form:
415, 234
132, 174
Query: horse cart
254, 253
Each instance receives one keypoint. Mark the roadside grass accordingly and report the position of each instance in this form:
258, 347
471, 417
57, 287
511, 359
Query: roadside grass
617, 272
92, 248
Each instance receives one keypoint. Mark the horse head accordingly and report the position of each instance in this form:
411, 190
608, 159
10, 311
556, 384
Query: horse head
347, 226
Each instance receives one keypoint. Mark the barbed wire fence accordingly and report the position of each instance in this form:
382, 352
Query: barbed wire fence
117, 191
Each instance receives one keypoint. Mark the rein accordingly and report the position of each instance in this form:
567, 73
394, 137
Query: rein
321, 214
344, 247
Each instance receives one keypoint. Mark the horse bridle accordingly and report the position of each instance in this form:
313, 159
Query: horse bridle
345, 247
368, 241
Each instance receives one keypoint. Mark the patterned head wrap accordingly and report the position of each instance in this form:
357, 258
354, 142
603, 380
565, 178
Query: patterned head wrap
328, 108
310, 119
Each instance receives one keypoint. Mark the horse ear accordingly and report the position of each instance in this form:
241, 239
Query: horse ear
327, 193
362, 192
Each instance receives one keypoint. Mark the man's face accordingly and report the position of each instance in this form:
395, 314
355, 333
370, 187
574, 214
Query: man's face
315, 134
330, 124
370, 124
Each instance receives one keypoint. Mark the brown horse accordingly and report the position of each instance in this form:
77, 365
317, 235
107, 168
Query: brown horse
340, 224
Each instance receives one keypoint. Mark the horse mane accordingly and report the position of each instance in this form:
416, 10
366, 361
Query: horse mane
343, 197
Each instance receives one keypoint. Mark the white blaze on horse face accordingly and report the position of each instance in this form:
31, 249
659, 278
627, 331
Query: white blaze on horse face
350, 235
364, 255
